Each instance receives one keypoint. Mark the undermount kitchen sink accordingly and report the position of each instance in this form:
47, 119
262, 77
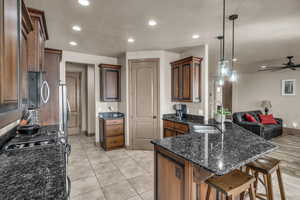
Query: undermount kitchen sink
205, 129
111, 115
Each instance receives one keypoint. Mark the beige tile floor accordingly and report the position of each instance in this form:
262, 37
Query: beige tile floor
113, 175
128, 175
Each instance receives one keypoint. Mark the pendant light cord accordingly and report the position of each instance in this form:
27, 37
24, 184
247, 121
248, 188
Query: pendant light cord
233, 43
223, 53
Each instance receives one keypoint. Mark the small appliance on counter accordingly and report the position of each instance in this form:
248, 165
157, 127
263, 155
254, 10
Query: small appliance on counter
181, 110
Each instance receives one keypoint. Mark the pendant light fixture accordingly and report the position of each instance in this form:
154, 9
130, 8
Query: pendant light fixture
233, 76
224, 65
220, 80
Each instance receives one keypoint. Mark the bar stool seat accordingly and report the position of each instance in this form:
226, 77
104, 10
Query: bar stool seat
232, 184
266, 166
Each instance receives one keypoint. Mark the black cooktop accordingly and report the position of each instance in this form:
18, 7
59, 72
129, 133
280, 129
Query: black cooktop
47, 135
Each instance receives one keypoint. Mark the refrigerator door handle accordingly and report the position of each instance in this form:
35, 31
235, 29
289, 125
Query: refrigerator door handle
68, 109
45, 85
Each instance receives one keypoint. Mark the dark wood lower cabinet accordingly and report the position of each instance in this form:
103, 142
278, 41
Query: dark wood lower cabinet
173, 128
112, 134
178, 179
170, 178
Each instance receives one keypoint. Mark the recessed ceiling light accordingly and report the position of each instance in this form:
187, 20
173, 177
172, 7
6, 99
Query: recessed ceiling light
234, 59
131, 40
72, 43
263, 67
196, 36
76, 28
84, 2
152, 22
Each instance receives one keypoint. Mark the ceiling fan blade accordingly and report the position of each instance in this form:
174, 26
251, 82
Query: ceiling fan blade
297, 66
272, 69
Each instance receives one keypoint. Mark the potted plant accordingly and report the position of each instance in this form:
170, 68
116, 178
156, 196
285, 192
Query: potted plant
220, 115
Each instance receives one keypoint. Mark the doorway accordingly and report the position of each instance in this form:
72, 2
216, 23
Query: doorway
73, 82
143, 103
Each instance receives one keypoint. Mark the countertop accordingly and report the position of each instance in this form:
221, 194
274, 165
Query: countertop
218, 153
187, 119
36, 172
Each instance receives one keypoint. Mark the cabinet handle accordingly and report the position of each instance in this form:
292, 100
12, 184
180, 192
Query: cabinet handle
154, 117
178, 173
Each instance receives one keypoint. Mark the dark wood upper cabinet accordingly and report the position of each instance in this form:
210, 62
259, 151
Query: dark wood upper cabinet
9, 61
110, 76
49, 113
186, 80
36, 41
26, 28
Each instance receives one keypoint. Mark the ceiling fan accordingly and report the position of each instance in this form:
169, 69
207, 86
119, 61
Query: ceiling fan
289, 65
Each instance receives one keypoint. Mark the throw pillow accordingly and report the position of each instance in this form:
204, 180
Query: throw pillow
267, 119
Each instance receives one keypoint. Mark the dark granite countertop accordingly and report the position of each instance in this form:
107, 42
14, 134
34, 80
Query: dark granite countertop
218, 153
36, 172
187, 119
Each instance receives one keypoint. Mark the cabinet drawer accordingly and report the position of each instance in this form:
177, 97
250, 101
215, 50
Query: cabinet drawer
113, 121
113, 142
168, 124
113, 130
181, 127
169, 133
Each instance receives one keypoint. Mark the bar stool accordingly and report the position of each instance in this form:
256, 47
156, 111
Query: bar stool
232, 184
266, 166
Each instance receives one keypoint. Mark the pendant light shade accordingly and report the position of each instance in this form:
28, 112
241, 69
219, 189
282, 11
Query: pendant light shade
233, 75
224, 68
220, 81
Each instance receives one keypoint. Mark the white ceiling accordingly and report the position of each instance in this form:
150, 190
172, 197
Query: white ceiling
266, 29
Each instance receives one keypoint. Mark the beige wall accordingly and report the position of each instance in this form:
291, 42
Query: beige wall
252, 88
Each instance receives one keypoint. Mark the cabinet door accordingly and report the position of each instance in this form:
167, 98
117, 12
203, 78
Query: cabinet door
33, 47
176, 94
41, 53
9, 56
110, 88
186, 82
170, 179
169, 133
23, 67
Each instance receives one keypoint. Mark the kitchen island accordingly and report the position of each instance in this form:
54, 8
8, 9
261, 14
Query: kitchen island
183, 163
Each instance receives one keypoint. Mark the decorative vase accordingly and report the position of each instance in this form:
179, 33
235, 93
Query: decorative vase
220, 118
